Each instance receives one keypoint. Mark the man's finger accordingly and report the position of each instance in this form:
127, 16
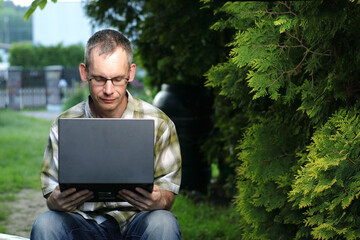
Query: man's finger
72, 205
142, 192
66, 192
80, 197
138, 204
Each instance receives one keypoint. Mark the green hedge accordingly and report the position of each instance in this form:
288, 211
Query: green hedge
28, 55
285, 118
328, 185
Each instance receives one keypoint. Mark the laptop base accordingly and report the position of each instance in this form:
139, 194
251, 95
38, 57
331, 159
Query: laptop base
106, 192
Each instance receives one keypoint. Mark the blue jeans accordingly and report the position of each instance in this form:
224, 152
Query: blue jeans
154, 225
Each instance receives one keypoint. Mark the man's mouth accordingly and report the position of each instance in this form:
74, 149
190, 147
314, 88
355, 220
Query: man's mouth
107, 100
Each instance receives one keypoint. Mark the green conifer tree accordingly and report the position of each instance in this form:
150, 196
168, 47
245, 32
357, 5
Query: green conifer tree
328, 186
292, 65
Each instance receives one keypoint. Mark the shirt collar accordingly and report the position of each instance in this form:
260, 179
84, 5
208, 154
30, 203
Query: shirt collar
129, 110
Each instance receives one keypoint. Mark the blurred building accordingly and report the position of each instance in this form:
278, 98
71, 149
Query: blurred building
61, 22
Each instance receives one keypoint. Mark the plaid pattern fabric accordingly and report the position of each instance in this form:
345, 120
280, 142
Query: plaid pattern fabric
167, 158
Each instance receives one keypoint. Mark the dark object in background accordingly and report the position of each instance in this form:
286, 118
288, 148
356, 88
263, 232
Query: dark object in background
189, 107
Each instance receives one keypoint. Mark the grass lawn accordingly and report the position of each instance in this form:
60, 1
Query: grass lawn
22, 143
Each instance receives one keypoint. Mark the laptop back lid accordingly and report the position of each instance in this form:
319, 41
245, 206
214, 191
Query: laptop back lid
106, 155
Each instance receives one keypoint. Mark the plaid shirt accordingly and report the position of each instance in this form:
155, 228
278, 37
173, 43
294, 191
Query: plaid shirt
167, 172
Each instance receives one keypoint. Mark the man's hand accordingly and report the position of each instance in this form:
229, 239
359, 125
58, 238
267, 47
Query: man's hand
145, 201
67, 200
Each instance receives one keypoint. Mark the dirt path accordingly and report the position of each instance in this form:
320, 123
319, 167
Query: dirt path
27, 206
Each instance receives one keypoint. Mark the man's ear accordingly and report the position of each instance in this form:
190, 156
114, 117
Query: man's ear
83, 72
132, 72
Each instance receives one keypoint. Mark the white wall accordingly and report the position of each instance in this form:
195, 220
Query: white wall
64, 22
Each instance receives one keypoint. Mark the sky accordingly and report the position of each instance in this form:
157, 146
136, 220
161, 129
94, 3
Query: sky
22, 3
26, 3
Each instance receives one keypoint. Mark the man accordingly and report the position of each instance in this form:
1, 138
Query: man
108, 68
63, 87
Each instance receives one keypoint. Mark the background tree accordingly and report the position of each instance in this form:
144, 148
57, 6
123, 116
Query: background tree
172, 38
292, 66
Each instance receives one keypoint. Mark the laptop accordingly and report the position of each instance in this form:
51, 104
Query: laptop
106, 155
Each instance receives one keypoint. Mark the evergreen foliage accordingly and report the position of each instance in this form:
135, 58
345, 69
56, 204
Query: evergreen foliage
292, 65
328, 186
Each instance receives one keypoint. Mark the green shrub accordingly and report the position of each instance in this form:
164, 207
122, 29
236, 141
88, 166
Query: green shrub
268, 155
292, 65
28, 55
328, 186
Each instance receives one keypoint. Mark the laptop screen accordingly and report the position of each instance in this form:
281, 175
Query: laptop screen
106, 155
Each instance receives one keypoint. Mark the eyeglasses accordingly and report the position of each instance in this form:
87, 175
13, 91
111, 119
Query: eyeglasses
101, 81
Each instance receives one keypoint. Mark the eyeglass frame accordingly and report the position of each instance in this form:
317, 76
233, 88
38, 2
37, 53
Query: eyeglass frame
107, 79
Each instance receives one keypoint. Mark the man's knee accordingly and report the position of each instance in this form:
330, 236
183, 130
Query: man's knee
161, 218
46, 219
48, 224
164, 223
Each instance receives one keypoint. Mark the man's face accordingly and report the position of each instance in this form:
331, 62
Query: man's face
109, 99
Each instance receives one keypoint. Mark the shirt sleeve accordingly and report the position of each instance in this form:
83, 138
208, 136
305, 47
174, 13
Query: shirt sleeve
167, 158
49, 168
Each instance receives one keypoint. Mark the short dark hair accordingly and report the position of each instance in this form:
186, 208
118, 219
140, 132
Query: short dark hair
108, 40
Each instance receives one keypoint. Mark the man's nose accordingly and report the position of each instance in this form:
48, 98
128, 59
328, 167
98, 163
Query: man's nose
108, 87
